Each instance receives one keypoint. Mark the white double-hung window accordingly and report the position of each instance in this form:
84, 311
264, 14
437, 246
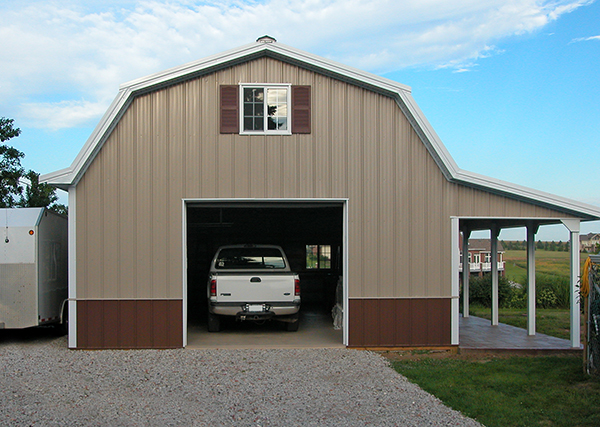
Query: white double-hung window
265, 109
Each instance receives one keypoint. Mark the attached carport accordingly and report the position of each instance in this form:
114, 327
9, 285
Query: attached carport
295, 225
467, 225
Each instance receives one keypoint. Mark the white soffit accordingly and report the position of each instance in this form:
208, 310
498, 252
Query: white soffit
70, 176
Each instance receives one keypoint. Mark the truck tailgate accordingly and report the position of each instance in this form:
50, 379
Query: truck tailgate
255, 287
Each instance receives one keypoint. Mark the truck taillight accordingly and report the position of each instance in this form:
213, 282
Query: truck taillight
297, 287
213, 287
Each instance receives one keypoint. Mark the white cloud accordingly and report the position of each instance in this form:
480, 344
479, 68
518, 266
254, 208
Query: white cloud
84, 50
63, 114
585, 39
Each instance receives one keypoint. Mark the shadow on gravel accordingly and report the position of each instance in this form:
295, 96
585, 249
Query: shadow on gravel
37, 335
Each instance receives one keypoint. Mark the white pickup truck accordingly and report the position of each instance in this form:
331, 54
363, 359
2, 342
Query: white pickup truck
252, 283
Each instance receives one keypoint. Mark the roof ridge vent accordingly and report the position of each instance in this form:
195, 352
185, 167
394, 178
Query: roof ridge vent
266, 39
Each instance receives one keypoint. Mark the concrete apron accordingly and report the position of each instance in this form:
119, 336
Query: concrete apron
316, 331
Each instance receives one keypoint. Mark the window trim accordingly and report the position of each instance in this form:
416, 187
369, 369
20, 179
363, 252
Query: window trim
265, 86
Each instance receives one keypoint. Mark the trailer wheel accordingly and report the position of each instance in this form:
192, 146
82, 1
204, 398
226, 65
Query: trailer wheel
214, 323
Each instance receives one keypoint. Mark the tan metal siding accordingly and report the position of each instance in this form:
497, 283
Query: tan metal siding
110, 210
175, 185
387, 189
356, 205
167, 147
144, 191
127, 203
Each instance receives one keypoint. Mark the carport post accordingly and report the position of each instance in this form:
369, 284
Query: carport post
531, 231
466, 270
455, 304
494, 260
573, 226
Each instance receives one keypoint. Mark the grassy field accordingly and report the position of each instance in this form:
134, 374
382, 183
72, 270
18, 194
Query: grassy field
546, 262
550, 321
515, 391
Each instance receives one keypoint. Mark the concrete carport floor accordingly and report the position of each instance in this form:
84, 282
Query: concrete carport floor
316, 331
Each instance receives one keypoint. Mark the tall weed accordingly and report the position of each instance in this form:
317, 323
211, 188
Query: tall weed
552, 291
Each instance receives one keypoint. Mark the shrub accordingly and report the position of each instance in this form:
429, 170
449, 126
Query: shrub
480, 290
551, 292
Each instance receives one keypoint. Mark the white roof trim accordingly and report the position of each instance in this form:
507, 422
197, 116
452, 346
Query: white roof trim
70, 176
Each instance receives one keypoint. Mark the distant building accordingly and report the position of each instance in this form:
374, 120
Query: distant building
480, 256
589, 242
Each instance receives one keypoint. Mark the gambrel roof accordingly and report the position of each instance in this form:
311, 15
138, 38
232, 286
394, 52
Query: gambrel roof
70, 176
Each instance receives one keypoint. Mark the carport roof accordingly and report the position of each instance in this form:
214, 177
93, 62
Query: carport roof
263, 47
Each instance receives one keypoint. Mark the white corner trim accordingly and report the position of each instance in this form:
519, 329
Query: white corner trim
72, 267
345, 272
184, 274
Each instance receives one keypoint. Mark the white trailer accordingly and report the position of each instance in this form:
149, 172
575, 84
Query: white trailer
33, 268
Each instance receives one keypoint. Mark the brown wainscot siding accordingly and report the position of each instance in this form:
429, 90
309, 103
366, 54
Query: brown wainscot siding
407, 322
129, 324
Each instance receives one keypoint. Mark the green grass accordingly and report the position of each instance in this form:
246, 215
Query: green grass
550, 321
516, 391
546, 262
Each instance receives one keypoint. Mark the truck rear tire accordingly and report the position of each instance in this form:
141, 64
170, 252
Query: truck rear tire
293, 326
214, 323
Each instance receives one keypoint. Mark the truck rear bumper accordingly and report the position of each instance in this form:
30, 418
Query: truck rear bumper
252, 312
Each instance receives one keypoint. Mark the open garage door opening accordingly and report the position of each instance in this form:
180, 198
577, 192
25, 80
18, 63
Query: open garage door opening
311, 235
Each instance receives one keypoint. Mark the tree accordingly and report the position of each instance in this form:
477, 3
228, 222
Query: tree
10, 165
36, 194
17, 187
7, 131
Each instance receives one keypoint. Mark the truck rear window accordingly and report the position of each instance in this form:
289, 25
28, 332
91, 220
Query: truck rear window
249, 258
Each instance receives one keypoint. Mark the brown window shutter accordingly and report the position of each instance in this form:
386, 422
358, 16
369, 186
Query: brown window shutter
230, 118
300, 109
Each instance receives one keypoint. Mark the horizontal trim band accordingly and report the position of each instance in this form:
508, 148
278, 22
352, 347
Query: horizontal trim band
126, 299
400, 298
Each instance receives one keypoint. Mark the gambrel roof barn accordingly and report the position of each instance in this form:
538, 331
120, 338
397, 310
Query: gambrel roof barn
269, 144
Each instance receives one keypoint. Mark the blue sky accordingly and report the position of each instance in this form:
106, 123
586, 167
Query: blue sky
511, 87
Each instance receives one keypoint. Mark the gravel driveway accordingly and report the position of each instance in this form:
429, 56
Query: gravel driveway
44, 383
